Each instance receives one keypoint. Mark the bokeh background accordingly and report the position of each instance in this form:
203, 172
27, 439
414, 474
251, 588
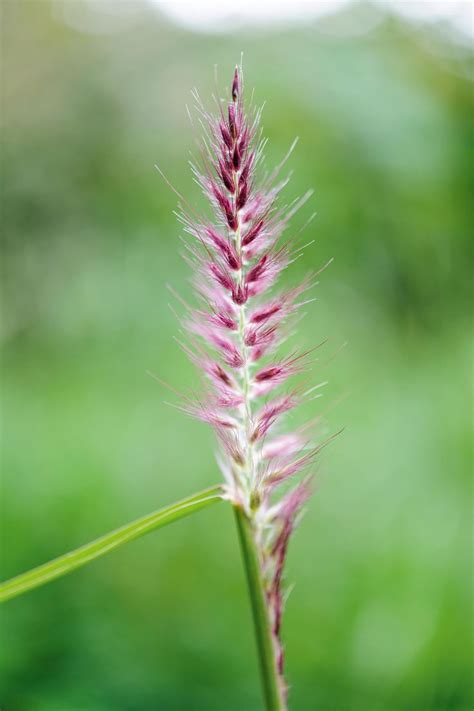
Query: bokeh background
94, 95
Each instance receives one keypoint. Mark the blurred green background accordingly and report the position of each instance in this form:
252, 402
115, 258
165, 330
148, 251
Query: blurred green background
381, 616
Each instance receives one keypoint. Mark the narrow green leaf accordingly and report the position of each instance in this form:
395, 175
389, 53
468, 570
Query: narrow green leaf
109, 542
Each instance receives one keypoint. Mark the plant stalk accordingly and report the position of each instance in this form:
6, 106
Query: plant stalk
272, 690
89, 552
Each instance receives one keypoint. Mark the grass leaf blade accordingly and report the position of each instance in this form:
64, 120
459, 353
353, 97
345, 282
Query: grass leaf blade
105, 544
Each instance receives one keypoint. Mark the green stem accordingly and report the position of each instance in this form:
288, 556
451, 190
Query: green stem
85, 554
270, 678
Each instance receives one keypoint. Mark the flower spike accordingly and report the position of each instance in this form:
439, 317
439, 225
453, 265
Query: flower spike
235, 332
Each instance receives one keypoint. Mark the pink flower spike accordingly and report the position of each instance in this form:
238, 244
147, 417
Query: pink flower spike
237, 255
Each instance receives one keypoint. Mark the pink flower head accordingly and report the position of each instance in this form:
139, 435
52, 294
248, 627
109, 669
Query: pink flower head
237, 257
